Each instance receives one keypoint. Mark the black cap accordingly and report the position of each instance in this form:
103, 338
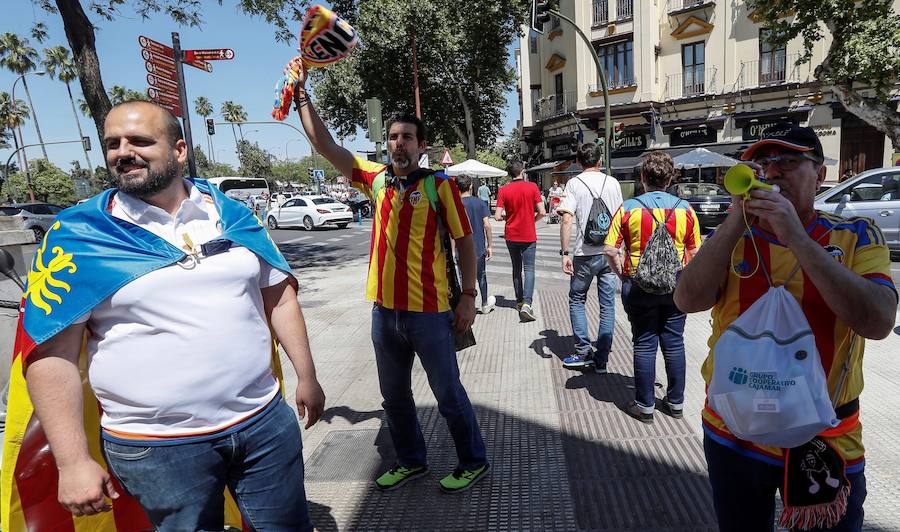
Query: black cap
787, 135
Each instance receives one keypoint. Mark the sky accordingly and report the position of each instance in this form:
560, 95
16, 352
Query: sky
249, 79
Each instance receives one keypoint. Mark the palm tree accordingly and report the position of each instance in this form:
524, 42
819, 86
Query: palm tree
203, 108
58, 62
19, 58
117, 94
234, 112
12, 116
84, 107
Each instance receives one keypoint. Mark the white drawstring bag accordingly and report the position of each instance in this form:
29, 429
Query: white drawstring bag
768, 384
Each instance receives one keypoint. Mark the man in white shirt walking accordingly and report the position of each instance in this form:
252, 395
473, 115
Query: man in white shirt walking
591, 199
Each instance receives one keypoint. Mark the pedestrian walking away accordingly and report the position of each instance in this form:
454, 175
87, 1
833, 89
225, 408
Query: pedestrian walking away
834, 275
484, 193
412, 313
479, 218
660, 233
589, 200
176, 292
519, 204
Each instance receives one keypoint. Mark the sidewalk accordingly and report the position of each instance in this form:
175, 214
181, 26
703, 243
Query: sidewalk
564, 455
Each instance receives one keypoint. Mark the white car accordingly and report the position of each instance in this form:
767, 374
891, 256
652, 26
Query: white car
309, 212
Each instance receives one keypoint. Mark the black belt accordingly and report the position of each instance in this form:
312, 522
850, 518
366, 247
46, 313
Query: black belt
846, 410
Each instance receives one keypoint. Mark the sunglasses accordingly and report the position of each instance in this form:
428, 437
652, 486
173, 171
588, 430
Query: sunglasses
785, 162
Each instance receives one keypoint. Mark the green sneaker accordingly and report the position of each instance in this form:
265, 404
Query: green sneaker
462, 479
398, 476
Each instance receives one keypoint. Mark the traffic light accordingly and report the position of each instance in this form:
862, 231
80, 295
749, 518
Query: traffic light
86, 143
309, 172
210, 126
540, 13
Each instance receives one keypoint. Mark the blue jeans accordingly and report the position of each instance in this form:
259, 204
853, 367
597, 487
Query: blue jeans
522, 255
743, 490
655, 321
181, 487
398, 335
587, 267
481, 275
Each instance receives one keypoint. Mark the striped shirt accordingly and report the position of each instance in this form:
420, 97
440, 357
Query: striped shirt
407, 263
633, 225
856, 243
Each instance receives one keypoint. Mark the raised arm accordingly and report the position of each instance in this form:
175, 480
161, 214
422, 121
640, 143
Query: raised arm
318, 133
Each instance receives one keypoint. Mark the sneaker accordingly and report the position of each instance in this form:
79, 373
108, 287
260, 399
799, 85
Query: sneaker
488, 307
600, 368
462, 479
526, 313
578, 361
636, 411
519, 306
676, 411
398, 476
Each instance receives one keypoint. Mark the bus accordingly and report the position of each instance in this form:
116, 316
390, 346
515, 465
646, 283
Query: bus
241, 188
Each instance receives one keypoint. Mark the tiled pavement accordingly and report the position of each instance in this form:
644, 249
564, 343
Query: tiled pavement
565, 457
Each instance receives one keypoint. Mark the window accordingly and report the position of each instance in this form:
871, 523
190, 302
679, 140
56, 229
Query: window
618, 62
299, 203
558, 83
535, 95
324, 200
600, 12
878, 187
693, 61
772, 61
289, 203
624, 9
39, 209
533, 42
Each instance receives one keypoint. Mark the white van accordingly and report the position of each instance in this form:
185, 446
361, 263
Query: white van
241, 188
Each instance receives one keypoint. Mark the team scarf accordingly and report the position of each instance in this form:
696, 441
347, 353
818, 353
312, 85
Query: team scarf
85, 257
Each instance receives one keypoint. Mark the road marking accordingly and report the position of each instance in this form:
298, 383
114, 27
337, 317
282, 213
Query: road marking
295, 240
333, 240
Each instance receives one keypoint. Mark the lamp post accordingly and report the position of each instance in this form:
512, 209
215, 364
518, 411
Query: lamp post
286, 146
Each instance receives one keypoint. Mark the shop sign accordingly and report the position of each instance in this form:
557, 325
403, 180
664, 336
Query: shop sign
754, 130
686, 136
629, 142
824, 131
562, 151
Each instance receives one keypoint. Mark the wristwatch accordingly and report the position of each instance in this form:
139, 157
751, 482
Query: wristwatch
563, 253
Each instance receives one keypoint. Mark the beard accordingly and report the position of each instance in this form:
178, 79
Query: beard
153, 183
400, 161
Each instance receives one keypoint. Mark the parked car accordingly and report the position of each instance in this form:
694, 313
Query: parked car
37, 216
310, 212
709, 200
873, 194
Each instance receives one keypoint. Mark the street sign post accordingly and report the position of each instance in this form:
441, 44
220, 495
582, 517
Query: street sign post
319, 175
215, 54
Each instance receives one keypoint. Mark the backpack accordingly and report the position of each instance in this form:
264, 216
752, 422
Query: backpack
659, 262
430, 189
599, 218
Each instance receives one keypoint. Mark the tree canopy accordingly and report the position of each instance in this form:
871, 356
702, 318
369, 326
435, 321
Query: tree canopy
461, 54
862, 63
49, 182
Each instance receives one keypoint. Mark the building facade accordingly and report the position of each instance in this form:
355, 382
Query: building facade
681, 74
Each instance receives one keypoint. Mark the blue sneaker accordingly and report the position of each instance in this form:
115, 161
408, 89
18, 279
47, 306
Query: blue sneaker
578, 361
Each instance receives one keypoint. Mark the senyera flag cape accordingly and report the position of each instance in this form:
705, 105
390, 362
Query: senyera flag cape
86, 256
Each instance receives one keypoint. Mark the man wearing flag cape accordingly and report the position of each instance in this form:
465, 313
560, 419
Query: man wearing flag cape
160, 299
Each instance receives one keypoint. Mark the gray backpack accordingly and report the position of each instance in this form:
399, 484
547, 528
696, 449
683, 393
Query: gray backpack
659, 261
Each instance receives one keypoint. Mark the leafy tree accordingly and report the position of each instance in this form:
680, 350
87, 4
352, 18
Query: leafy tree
101, 180
255, 161
19, 58
49, 182
207, 168
119, 94
862, 54
80, 32
58, 63
234, 112
509, 148
463, 71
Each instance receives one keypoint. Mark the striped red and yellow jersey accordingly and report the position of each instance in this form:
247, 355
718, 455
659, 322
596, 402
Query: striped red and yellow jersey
407, 263
633, 224
856, 243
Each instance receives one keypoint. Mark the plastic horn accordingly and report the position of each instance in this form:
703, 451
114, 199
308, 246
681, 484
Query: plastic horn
740, 180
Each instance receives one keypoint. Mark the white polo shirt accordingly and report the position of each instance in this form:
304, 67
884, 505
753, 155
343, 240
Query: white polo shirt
183, 352
579, 199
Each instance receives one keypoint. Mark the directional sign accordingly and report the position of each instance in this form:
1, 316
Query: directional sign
199, 63
158, 60
172, 108
160, 71
215, 54
155, 47
163, 96
162, 83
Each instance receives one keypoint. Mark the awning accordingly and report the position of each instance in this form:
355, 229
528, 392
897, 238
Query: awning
573, 168
716, 122
543, 166
730, 149
741, 119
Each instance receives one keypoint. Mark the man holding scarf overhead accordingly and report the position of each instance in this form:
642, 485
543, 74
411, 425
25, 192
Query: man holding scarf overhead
175, 291
838, 269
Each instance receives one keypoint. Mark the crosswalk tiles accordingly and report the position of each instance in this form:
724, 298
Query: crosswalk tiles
547, 264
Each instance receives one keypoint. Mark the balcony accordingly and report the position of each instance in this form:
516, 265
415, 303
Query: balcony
617, 82
691, 82
600, 12
681, 6
555, 105
624, 9
772, 70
